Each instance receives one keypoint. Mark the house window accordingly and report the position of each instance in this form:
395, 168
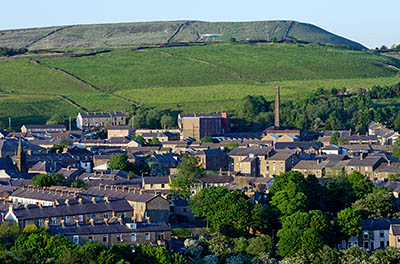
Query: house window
365, 235
93, 216
123, 215
382, 244
105, 238
66, 219
80, 218
147, 236
39, 222
106, 215
53, 220
381, 234
133, 237
366, 245
162, 185
75, 239
90, 238
398, 239
119, 237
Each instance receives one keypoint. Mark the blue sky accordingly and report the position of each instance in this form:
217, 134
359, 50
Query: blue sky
371, 23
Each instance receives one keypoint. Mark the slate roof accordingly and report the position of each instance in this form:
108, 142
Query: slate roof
303, 145
378, 224
367, 161
11, 145
45, 126
256, 151
45, 167
310, 165
215, 178
87, 207
99, 115
41, 194
156, 180
7, 164
281, 155
112, 228
394, 167
211, 152
130, 196
396, 229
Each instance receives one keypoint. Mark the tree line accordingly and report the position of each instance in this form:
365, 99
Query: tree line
4, 51
322, 110
36, 246
297, 219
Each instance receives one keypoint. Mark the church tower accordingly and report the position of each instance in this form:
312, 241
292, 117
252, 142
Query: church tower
20, 158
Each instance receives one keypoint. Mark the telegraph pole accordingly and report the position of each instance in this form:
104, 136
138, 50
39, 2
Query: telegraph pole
9, 124
69, 123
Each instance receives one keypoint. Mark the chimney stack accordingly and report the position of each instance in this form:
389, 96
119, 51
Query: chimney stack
277, 107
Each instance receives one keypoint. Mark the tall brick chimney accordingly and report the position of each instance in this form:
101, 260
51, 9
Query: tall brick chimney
277, 109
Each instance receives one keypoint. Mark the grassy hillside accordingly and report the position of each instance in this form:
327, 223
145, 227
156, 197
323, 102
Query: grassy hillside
205, 78
123, 34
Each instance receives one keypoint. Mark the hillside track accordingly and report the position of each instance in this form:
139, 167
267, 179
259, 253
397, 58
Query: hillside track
178, 30
69, 101
231, 72
285, 36
45, 36
87, 84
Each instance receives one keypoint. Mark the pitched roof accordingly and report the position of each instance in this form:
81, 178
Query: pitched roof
211, 152
112, 228
393, 167
99, 115
45, 126
310, 165
303, 145
216, 178
396, 229
256, 151
130, 196
42, 194
156, 180
378, 224
281, 155
367, 161
86, 207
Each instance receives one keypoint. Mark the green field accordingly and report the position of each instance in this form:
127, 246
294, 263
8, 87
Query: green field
206, 78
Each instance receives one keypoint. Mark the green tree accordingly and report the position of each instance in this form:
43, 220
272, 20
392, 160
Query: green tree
354, 255
9, 232
138, 121
204, 202
119, 162
335, 138
56, 119
209, 139
349, 223
292, 177
259, 246
47, 180
155, 142
379, 204
289, 200
361, 185
233, 215
140, 139
189, 176
396, 149
311, 241
230, 146
167, 122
